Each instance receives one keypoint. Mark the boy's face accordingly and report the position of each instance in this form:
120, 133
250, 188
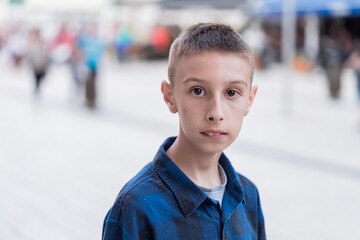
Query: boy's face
212, 93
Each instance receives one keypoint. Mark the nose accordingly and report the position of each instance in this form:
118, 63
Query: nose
215, 113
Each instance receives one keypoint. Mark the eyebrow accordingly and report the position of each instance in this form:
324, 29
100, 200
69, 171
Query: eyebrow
240, 82
192, 79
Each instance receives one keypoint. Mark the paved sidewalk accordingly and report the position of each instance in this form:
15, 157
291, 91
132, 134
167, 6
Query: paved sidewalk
61, 166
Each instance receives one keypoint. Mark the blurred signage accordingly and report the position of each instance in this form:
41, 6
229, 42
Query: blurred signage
319, 7
186, 3
16, 2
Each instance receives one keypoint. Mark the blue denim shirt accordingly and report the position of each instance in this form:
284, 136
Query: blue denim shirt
161, 202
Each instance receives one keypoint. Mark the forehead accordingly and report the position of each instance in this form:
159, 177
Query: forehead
213, 67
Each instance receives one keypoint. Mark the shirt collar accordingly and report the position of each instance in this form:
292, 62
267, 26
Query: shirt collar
233, 186
188, 195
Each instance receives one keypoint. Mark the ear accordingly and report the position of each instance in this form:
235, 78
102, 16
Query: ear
252, 95
166, 90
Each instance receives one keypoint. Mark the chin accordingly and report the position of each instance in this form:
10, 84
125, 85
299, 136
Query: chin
213, 148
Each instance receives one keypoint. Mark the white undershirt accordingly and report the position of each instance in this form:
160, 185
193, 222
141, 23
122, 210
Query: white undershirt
217, 192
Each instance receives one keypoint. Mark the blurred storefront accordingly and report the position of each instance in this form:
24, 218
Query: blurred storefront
315, 19
143, 17
134, 20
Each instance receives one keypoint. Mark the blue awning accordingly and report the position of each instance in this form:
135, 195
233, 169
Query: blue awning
268, 8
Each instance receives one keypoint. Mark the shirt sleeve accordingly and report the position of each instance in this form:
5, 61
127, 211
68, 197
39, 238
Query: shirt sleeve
123, 228
261, 224
111, 229
126, 220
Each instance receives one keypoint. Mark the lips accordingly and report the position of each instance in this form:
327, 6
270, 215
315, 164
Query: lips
214, 133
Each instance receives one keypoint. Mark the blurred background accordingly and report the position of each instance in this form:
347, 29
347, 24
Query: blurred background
81, 109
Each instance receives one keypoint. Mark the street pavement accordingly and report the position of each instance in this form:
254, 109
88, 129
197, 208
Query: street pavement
62, 165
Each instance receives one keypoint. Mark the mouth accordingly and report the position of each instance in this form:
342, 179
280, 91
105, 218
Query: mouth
215, 134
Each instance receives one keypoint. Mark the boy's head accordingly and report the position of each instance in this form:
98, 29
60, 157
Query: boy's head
210, 72
206, 37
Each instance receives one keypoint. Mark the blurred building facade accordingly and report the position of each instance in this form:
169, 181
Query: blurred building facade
315, 19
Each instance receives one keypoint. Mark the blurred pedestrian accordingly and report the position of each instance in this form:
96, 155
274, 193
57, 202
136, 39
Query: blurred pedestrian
38, 58
92, 48
78, 68
123, 43
61, 46
354, 63
2, 38
16, 45
333, 53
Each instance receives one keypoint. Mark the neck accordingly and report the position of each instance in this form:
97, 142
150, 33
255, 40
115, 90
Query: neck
200, 167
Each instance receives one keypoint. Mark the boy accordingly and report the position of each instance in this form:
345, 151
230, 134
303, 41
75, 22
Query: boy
190, 190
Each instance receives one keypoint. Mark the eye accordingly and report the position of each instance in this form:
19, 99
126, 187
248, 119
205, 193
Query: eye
232, 93
197, 91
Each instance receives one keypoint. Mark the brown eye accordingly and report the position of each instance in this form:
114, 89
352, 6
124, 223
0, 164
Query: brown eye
231, 93
197, 91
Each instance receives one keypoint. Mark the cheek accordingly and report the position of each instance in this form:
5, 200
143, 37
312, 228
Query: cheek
186, 111
190, 108
236, 115
237, 109
189, 115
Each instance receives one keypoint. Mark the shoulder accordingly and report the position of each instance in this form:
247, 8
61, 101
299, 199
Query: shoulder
244, 181
129, 201
129, 217
251, 192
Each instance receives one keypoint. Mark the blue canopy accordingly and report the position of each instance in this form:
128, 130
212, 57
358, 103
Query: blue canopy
268, 8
